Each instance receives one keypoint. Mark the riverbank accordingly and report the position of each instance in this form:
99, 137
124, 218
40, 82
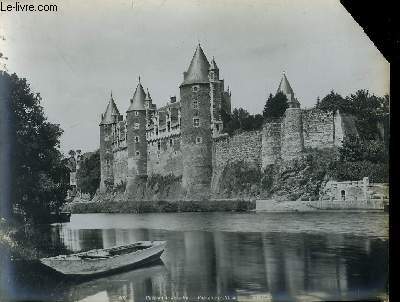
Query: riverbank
160, 206
223, 205
318, 206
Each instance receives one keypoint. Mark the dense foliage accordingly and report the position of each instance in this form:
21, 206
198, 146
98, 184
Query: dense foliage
368, 109
275, 106
241, 120
88, 174
359, 158
40, 179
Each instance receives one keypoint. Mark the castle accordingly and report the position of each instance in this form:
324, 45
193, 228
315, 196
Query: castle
185, 137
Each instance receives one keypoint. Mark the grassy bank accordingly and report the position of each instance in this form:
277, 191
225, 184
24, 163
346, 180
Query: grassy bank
161, 206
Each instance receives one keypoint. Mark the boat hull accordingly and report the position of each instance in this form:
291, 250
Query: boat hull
89, 267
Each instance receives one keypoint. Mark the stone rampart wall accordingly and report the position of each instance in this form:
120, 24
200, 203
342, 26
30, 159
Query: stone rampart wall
271, 143
167, 159
245, 146
318, 128
120, 165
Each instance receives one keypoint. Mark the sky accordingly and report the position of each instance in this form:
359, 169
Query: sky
74, 57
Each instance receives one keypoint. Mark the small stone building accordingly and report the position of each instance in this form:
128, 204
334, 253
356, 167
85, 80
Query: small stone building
361, 190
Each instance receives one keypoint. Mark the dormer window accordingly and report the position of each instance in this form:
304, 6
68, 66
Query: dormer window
195, 89
137, 153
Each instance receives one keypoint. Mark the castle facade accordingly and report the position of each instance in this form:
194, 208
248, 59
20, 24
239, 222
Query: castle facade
185, 137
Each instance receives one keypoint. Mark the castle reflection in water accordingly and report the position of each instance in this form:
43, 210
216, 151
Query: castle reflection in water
278, 266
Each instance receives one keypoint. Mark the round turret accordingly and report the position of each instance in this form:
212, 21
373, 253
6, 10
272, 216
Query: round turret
196, 141
136, 140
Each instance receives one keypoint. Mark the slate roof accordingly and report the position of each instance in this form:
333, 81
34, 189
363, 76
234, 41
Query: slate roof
137, 101
213, 65
285, 87
197, 72
109, 116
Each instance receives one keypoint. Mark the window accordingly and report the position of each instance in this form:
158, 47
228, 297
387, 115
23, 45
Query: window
196, 122
137, 113
196, 113
217, 126
171, 142
343, 194
159, 145
195, 104
199, 140
136, 125
169, 126
137, 153
136, 139
195, 88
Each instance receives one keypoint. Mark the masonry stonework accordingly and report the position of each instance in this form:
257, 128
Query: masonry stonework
244, 147
271, 143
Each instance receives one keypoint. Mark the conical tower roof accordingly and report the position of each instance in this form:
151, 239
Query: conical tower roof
109, 116
138, 99
197, 72
148, 96
285, 87
213, 65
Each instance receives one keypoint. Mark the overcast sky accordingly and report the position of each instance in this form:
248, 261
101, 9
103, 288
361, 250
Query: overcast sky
74, 57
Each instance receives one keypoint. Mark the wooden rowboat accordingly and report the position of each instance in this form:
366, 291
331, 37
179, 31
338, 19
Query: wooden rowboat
101, 261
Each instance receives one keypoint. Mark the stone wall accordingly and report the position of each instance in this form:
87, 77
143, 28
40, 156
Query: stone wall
167, 160
271, 143
120, 165
245, 147
318, 128
292, 141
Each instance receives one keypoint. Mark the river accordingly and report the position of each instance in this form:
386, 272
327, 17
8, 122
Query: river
222, 257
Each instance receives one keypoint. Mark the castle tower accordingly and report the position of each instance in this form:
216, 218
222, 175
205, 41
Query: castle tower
287, 90
216, 95
108, 120
196, 140
292, 140
148, 100
136, 140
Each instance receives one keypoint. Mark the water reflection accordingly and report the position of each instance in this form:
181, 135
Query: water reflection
272, 265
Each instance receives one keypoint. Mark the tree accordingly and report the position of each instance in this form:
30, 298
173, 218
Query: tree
359, 158
40, 179
333, 102
369, 110
275, 106
88, 175
241, 120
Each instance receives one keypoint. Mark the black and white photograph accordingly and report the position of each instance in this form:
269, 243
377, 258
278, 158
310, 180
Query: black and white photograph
187, 150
